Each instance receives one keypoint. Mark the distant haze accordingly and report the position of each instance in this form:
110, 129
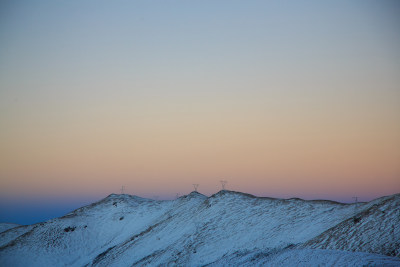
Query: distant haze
282, 99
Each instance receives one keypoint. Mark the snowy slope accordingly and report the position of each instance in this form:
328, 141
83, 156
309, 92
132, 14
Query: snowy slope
7, 226
375, 229
12, 234
83, 234
305, 257
228, 228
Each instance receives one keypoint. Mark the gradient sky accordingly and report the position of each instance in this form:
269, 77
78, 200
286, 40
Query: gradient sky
280, 98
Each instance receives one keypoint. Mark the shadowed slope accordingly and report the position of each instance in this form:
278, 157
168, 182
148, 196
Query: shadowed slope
375, 230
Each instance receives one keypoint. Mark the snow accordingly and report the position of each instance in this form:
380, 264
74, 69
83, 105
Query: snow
6, 226
380, 221
306, 257
228, 228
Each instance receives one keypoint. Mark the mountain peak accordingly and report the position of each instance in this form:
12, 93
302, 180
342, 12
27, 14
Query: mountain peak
125, 230
195, 194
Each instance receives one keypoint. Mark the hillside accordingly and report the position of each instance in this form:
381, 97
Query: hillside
228, 228
375, 229
7, 226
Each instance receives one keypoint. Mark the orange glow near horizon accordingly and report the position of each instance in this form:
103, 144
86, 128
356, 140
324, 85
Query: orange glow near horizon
293, 153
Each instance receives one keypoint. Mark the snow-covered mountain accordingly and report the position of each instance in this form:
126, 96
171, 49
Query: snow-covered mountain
228, 228
6, 226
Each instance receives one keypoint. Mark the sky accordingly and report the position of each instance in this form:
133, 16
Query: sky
279, 98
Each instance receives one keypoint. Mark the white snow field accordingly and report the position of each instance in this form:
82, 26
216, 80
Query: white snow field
226, 229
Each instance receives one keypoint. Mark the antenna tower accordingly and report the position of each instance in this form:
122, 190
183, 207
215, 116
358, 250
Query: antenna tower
195, 187
223, 183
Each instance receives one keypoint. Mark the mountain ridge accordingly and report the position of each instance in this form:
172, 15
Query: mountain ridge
226, 228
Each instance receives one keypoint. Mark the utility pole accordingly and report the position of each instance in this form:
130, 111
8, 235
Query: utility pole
356, 204
122, 189
195, 187
223, 183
